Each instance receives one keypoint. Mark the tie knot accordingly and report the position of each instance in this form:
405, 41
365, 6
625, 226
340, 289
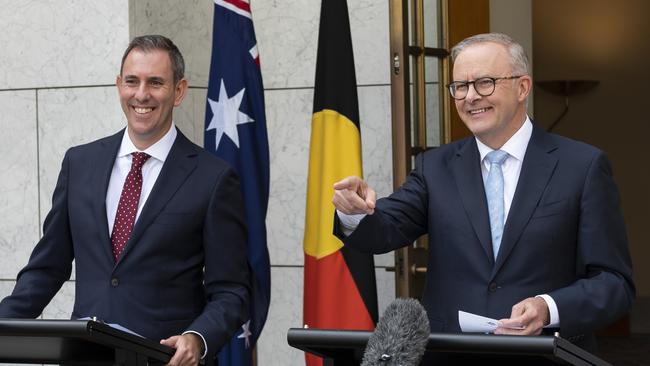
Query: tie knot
139, 158
496, 157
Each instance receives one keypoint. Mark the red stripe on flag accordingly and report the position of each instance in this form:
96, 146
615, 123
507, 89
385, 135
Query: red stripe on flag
331, 298
240, 4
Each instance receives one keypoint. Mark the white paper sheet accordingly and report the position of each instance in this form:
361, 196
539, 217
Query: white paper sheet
475, 323
478, 324
113, 325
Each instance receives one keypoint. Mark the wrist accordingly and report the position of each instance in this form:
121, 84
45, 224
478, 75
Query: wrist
545, 312
198, 344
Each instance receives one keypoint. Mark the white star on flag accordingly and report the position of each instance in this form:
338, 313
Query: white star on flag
226, 115
246, 333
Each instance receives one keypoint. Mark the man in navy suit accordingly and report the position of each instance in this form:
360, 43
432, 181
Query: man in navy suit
180, 273
549, 251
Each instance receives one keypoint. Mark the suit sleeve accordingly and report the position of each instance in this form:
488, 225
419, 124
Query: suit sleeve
398, 219
227, 274
604, 290
50, 263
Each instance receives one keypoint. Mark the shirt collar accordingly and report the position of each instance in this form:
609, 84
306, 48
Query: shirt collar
158, 151
515, 146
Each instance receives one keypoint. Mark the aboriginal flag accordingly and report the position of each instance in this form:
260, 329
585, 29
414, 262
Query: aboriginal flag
339, 285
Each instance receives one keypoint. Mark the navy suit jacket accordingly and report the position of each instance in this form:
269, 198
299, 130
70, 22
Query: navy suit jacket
564, 235
192, 220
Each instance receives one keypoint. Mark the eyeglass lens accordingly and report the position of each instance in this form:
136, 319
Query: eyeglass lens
483, 86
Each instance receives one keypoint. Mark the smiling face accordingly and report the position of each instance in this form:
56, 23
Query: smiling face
148, 95
495, 118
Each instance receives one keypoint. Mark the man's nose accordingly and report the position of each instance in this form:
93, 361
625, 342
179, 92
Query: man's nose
472, 94
142, 92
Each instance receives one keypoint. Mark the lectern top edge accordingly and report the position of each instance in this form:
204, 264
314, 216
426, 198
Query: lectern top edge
44, 327
76, 342
344, 347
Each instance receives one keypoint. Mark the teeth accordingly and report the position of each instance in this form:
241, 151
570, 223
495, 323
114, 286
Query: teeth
475, 111
143, 110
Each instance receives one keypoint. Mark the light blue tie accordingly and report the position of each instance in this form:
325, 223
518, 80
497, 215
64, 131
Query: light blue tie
494, 194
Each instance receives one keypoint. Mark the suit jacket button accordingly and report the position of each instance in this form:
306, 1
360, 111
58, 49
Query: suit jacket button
493, 287
115, 282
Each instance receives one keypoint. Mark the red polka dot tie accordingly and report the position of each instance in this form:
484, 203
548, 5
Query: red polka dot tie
128, 205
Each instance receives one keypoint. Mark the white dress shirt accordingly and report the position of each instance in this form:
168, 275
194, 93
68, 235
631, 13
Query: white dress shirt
150, 171
516, 148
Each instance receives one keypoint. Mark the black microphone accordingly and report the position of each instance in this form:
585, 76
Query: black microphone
401, 336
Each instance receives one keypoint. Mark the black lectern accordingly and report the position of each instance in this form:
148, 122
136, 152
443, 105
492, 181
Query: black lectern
345, 348
76, 342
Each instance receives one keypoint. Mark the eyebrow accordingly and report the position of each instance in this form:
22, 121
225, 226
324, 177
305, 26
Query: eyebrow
150, 79
480, 77
156, 78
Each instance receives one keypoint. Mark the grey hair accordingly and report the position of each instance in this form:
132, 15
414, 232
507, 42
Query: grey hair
154, 42
518, 58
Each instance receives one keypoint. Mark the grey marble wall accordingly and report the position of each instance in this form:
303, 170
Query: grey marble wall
59, 62
49, 43
56, 90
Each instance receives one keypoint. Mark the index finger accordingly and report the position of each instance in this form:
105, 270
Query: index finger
346, 183
371, 197
511, 324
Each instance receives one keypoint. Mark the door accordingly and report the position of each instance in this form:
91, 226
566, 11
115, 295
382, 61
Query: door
421, 32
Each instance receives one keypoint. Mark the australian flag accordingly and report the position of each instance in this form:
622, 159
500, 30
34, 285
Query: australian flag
235, 130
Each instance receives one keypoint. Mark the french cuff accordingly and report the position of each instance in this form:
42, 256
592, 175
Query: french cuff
205, 345
349, 223
554, 314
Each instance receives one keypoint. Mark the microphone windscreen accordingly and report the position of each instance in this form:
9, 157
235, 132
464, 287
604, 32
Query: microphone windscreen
401, 336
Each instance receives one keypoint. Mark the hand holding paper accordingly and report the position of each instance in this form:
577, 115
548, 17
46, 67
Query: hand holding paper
532, 313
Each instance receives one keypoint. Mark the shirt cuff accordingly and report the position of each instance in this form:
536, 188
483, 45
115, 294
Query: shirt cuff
205, 345
554, 315
349, 222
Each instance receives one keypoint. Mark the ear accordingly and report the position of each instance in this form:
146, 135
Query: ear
118, 81
525, 87
180, 92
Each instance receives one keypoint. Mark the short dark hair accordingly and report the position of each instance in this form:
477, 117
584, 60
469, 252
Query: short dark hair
153, 42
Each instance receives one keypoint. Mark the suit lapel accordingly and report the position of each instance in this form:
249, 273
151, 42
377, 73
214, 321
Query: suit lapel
100, 179
536, 171
466, 169
180, 162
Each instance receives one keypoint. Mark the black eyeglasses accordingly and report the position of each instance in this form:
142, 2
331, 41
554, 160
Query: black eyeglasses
483, 86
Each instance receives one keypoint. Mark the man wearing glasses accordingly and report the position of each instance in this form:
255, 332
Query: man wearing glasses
524, 226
